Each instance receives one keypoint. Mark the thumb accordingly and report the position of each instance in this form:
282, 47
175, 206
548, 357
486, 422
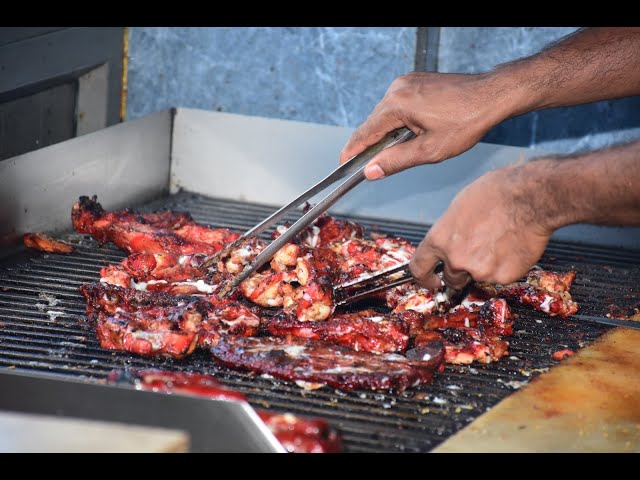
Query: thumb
399, 157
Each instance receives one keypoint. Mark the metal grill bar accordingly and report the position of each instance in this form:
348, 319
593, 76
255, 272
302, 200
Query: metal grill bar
43, 328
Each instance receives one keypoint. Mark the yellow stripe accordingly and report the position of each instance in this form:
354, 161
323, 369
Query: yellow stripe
125, 65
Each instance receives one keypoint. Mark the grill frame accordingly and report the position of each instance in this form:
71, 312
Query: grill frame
33, 286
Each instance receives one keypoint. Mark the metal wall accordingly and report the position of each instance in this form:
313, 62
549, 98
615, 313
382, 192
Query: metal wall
335, 76
57, 83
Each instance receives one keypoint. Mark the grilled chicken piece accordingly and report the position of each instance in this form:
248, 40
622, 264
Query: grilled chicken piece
296, 434
302, 285
88, 216
150, 323
302, 435
314, 362
360, 258
45, 243
327, 230
366, 330
537, 292
464, 345
146, 334
163, 273
411, 297
468, 333
164, 233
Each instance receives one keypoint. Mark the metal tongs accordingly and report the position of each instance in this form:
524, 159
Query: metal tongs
351, 172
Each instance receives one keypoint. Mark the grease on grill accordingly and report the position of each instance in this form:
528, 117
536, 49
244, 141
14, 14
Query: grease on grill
33, 286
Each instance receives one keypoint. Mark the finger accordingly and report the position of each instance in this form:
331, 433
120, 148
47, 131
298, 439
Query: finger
394, 159
371, 131
423, 265
455, 279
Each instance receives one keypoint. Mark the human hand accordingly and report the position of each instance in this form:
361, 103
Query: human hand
449, 113
494, 230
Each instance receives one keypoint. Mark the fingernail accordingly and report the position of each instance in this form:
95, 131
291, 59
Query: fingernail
373, 172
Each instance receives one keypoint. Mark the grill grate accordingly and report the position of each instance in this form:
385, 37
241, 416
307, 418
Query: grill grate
43, 328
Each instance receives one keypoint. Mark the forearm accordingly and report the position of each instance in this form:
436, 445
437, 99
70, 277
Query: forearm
590, 65
601, 187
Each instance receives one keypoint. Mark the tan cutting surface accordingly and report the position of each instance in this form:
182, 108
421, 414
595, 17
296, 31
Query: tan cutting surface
588, 403
24, 433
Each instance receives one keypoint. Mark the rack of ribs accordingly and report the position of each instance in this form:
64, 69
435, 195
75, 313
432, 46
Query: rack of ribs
167, 232
313, 363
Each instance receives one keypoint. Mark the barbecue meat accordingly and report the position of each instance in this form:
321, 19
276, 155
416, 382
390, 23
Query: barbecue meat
300, 281
464, 346
313, 361
537, 292
358, 258
150, 323
366, 330
102, 297
468, 334
296, 434
45, 243
302, 435
167, 232
327, 230
88, 216
411, 297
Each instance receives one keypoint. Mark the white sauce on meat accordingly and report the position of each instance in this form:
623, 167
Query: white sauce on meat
376, 319
200, 285
442, 297
312, 237
153, 338
426, 357
244, 251
546, 304
249, 320
466, 322
184, 259
309, 385
294, 350
142, 286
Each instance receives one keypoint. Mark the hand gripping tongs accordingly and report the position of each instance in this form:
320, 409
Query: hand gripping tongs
351, 172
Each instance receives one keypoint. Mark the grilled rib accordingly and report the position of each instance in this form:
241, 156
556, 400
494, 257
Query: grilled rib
366, 330
468, 333
166, 232
314, 362
149, 323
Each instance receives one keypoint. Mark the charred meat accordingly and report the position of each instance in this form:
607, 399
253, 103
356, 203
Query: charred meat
313, 362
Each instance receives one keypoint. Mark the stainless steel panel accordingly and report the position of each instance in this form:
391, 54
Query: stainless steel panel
123, 165
212, 425
41, 59
39, 120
